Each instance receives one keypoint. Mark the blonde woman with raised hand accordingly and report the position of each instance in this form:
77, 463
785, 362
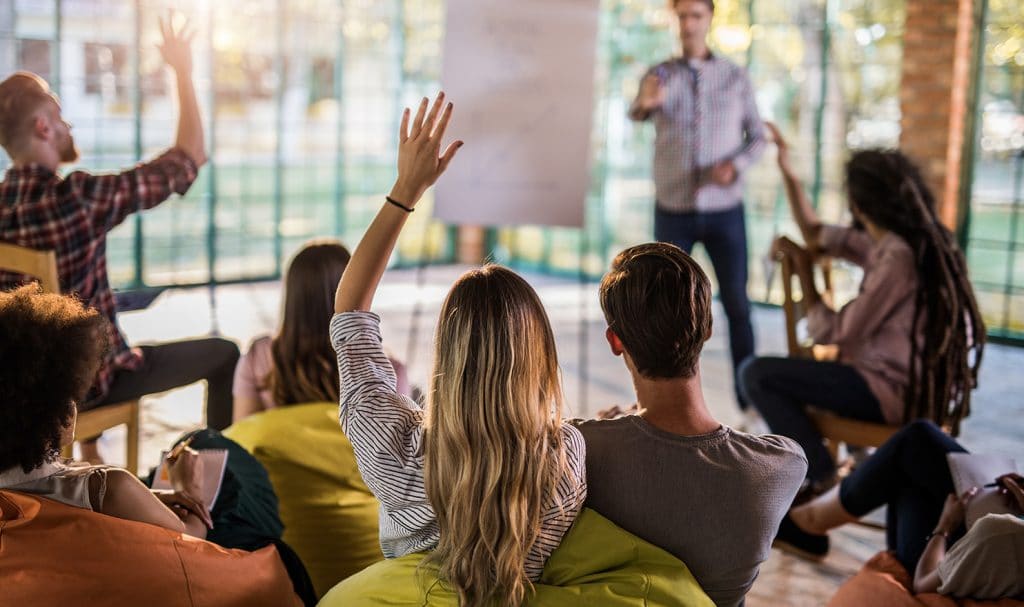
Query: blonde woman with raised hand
487, 475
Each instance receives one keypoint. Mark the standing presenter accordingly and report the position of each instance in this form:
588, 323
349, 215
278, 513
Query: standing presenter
707, 132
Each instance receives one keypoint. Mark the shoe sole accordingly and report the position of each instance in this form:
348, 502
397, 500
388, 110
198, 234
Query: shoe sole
798, 552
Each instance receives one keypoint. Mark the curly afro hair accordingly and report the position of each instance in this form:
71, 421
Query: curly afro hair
51, 347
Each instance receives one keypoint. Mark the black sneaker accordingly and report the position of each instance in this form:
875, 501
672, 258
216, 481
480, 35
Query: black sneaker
795, 540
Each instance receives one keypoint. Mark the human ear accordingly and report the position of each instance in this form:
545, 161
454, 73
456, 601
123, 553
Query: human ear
41, 127
614, 342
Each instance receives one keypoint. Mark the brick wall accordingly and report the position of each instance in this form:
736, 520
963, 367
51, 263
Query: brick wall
934, 90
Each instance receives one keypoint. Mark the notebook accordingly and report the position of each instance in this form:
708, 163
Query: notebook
977, 470
215, 462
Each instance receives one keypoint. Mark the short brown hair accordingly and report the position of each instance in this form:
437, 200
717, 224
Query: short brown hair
21, 94
51, 349
657, 300
709, 3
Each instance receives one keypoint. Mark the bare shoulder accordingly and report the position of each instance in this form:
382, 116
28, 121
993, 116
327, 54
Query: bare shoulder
120, 481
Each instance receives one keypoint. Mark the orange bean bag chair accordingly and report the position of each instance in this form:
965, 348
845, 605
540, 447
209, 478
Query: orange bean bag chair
884, 581
52, 554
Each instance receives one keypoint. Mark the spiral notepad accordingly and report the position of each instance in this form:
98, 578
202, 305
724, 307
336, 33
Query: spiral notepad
977, 470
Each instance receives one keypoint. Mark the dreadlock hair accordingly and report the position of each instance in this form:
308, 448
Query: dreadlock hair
887, 188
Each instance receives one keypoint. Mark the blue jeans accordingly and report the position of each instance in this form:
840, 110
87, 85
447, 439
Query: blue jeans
910, 475
724, 235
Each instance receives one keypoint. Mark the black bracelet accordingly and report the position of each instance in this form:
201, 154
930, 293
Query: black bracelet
933, 534
399, 205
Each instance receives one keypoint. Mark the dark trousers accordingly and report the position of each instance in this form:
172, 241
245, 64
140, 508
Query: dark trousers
245, 515
909, 474
181, 363
781, 387
724, 235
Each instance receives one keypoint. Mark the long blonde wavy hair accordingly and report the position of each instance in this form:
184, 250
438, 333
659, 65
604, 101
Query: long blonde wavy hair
493, 446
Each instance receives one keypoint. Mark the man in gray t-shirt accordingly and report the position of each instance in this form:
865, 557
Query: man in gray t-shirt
672, 474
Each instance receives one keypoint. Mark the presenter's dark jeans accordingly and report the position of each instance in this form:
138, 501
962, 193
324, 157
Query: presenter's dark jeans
176, 364
781, 387
724, 235
909, 474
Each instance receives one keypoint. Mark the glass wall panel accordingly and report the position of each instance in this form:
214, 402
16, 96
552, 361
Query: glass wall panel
995, 236
301, 100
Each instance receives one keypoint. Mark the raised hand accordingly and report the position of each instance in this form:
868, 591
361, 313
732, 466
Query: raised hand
780, 144
420, 161
652, 93
176, 45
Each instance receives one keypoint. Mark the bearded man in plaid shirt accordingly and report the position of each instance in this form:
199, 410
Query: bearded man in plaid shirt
72, 215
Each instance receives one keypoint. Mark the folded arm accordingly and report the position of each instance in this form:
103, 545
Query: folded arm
127, 498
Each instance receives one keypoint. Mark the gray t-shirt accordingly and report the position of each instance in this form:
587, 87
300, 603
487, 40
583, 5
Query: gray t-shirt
988, 562
714, 500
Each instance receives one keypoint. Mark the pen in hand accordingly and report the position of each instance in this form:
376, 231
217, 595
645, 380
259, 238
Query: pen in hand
176, 452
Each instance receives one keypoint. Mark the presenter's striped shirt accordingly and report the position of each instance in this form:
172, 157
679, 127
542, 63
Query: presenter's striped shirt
386, 431
709, 115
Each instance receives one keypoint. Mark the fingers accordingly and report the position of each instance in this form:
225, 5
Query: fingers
196, 507
968, 495
432, 116
442, 123
204, 515
403, 128
417, 122
446, 158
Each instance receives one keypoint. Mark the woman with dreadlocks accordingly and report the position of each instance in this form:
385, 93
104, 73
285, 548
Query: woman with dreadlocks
909, 344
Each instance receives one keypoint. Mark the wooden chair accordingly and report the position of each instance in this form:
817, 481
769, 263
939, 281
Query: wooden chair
834, 429
42, 265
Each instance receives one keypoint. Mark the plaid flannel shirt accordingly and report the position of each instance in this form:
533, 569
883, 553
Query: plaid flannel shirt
40, 210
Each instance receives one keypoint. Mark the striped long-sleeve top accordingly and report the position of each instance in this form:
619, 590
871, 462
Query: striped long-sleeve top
386, 432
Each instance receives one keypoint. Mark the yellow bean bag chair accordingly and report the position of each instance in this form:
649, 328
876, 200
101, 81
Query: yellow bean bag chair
53, 555
329, 515
597, 564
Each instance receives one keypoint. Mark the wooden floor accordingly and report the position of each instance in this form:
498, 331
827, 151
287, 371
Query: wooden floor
593, 379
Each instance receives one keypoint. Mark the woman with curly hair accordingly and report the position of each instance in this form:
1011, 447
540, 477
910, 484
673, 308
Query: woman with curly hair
909, 344
52, 346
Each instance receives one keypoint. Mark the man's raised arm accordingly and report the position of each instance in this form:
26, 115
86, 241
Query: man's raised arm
176, 49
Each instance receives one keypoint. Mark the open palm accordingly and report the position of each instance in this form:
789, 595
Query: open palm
176, 47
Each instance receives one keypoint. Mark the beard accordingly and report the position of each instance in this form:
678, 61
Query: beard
68, 151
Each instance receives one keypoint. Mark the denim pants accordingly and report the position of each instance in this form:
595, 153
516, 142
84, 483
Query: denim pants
910, 475
780, 387
724, 236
